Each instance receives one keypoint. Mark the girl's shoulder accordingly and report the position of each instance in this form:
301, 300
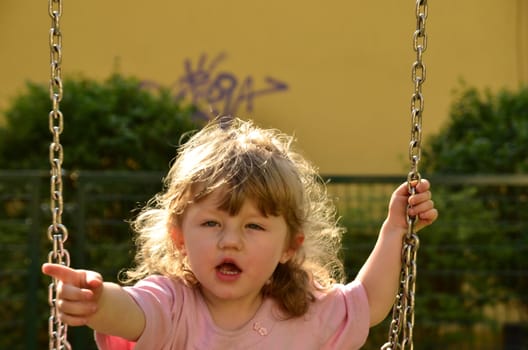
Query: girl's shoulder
351, 297
163, 281
338, 318
159, 286
334, 290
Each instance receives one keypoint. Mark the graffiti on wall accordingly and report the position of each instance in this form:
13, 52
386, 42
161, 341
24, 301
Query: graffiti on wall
219, 92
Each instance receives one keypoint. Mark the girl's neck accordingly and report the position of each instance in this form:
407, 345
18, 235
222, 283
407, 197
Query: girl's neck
232, 314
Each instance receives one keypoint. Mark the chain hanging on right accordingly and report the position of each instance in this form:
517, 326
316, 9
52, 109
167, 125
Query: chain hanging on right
402, 323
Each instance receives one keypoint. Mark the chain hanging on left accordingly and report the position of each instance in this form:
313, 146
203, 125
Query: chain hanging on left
57, 232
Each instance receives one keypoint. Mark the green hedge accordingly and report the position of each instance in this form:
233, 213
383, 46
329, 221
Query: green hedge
110, 125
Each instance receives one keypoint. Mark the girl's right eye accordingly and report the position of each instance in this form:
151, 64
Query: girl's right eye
210, 223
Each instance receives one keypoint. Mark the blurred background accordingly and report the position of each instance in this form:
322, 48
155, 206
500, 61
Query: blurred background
337, 75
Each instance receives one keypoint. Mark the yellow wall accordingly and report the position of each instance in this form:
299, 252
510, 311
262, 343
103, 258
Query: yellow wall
346, 63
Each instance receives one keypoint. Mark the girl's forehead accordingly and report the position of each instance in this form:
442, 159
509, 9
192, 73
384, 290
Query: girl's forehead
219, 196
213, 198
227, 199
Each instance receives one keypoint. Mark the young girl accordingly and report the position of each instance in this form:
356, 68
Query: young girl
240, 252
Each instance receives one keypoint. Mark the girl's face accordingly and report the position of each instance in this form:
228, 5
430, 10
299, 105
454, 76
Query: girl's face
232, 256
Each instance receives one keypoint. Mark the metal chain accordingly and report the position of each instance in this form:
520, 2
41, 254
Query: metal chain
403, 309
57, 232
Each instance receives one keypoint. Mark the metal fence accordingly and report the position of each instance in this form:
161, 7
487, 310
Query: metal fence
472, 264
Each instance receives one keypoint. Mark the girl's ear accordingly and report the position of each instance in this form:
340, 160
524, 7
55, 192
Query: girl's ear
299, 240
177, 237
290, 252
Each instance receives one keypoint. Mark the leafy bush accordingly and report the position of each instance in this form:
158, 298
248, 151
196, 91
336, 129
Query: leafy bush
486, 134
113, 124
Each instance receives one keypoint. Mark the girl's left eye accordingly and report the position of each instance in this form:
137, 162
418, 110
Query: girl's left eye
255, 227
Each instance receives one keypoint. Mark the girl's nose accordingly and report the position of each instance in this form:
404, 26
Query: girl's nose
230, 239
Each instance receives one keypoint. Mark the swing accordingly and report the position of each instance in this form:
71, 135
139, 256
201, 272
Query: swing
402, 322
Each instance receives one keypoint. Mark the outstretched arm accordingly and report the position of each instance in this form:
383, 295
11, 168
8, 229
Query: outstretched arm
380, 273
84, 299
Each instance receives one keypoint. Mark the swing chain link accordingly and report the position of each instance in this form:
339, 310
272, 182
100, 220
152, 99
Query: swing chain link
57, 232
403, 309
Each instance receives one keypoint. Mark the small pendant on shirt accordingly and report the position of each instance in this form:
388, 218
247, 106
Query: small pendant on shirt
259, 329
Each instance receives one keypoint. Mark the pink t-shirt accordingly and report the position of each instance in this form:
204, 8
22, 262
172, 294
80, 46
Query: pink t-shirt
177, 318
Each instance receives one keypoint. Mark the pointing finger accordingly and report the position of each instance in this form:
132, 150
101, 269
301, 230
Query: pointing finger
78, 278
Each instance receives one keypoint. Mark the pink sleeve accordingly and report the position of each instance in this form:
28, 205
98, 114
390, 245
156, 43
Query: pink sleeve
350, 309
104, 341
156, 295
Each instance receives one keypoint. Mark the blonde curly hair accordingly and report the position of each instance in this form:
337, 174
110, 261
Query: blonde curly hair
256, 163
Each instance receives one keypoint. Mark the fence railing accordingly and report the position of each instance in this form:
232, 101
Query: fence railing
472, 263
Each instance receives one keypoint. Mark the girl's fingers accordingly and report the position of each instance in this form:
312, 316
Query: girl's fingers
93, 280
73, 320
423, 185
79, 278
419, 198
73, 293
420, 207
429, 216
76, 293
63, 273
78, 309
426, 214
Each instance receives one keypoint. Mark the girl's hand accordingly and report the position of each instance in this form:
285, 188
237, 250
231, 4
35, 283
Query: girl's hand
420, 205
381, 273
78, 293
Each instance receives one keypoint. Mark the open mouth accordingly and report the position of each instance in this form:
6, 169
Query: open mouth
228, 268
